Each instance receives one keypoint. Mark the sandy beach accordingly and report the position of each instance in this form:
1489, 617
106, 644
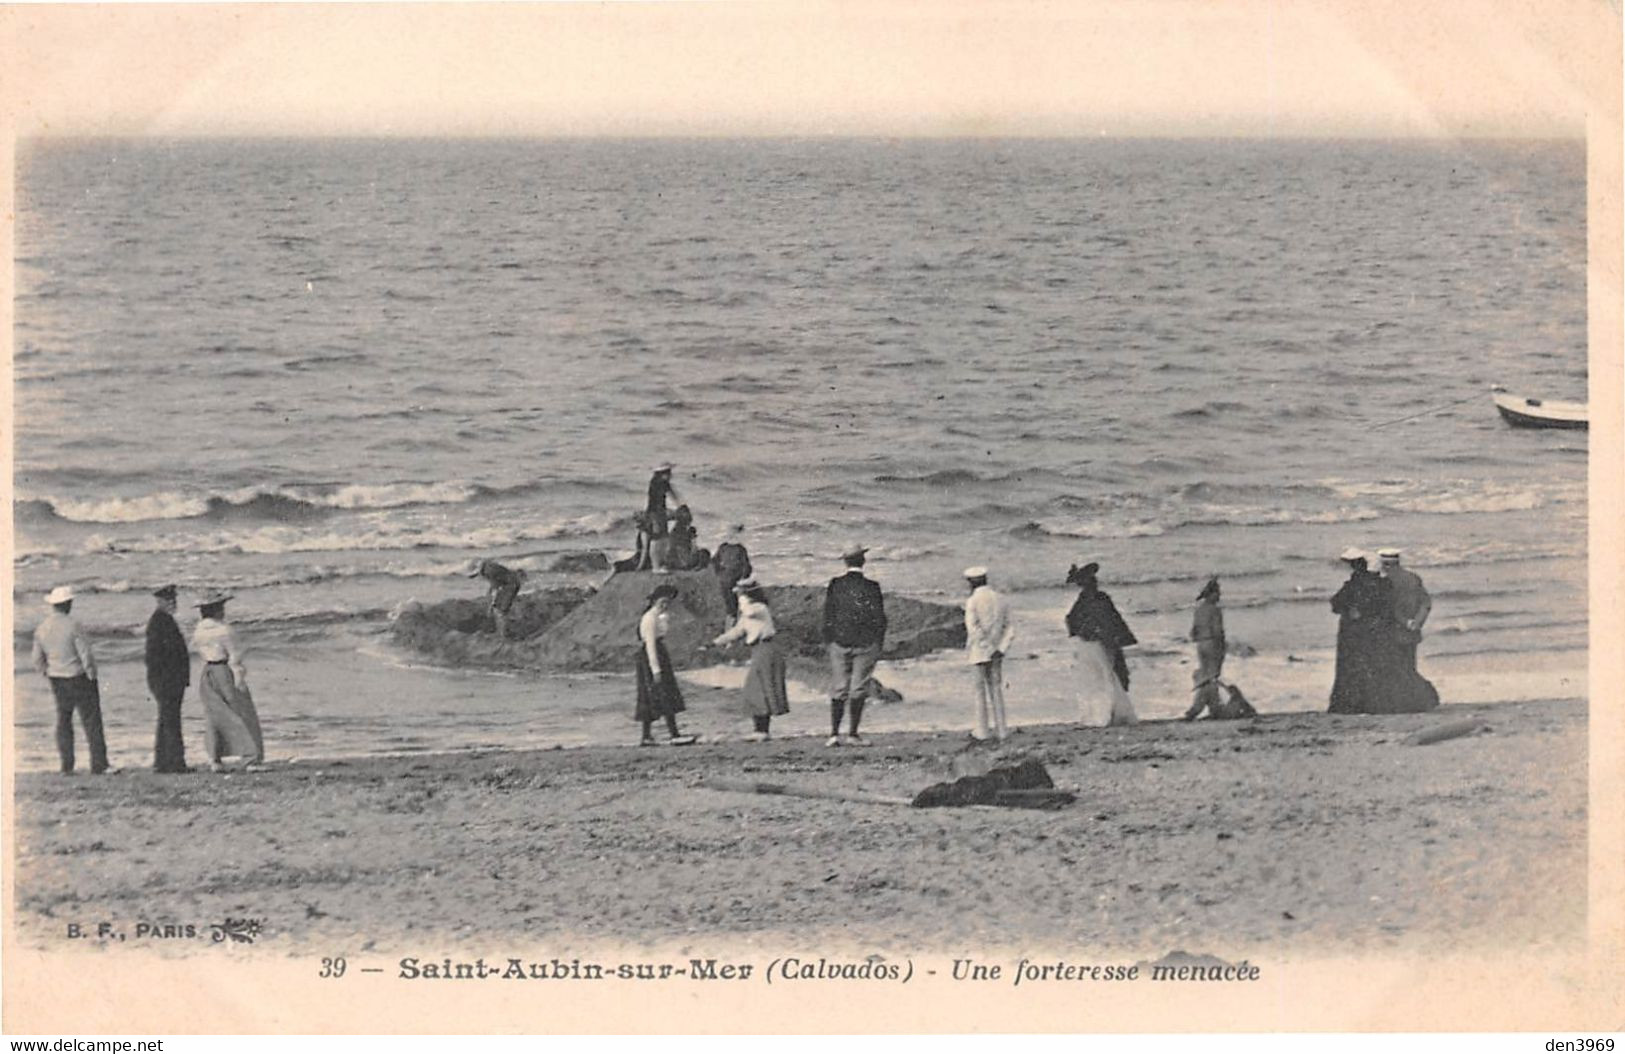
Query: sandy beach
1299, 831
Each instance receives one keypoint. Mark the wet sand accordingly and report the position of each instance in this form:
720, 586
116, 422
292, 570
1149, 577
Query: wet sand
1296, 831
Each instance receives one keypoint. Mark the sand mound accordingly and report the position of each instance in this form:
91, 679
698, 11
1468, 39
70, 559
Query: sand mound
462, 633
575, 629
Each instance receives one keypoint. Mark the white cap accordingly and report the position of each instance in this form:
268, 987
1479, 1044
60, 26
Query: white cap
975, 572
1388, 554
853, 550
1352, 553
59, 595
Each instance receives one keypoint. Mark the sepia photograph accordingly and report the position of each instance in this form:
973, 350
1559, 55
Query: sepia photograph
1042, 516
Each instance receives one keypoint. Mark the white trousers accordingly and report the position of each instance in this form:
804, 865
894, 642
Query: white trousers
990, 698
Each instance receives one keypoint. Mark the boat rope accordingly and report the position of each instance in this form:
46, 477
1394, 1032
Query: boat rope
1424, 413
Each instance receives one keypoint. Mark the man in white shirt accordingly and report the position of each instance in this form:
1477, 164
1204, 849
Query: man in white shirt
62, 655
988, 633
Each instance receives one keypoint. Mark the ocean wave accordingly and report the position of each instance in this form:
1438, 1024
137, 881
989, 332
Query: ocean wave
942, 477
282, 502
1454, 497
1088, 529
266, 631
1212, 409
1259, 517
281, 538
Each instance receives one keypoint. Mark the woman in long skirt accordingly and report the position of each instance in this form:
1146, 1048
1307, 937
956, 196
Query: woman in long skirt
659, 698
1101, 635
232, 727
764, 696
1363, 607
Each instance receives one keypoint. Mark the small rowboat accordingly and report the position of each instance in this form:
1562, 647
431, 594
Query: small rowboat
1538, 413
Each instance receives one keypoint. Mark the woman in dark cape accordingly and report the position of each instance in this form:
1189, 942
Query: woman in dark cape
1364, 607
1101, 636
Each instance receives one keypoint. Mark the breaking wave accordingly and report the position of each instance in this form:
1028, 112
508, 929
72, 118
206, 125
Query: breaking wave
280, 503
282, 538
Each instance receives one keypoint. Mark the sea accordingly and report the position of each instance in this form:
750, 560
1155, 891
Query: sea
325, 374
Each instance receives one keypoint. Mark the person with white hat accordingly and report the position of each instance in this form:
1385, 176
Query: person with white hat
1412, 602
854, 630
233, 722
660, 490
1363, 606
63, 656
988, 634
765, 695
1407, 691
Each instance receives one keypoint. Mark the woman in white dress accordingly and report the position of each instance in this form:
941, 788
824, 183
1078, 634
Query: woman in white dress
1101, 635
764, 696
233, 725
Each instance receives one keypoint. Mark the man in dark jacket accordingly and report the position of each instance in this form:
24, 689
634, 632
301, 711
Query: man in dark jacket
732, 564
854, 629
169, 670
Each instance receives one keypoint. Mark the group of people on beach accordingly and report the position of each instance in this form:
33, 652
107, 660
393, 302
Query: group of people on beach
63, 655
1381, 615
1381, 619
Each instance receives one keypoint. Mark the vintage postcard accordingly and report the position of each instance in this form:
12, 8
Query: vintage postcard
1016, 517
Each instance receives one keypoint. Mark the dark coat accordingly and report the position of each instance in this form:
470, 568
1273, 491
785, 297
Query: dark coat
854, 612
1365, 625
169, 664
1094, 617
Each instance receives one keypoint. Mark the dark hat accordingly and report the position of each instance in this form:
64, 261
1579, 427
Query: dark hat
1080, 574
1211, 588
662, 590
165, 592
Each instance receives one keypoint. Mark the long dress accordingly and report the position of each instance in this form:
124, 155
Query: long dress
1103, 699
764, 693
658, 696
1207, 630
1364, 605
1101, 636
232, 724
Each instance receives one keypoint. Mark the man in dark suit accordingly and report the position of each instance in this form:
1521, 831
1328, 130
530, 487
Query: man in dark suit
169, 670
854, 629
732, 564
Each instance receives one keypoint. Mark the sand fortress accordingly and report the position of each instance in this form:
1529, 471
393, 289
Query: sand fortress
578, 629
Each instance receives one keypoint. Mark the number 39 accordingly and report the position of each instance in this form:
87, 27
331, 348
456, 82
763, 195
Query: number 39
332, 968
